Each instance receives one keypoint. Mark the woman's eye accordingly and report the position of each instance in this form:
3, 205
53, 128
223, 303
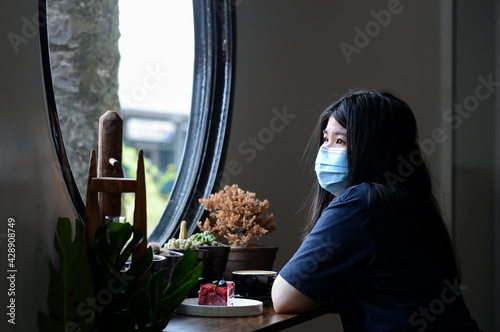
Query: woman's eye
325, 139
339, 141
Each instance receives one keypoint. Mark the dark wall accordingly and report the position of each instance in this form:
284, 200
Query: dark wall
290, 61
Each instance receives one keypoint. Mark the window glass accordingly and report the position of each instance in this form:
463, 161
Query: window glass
134, 57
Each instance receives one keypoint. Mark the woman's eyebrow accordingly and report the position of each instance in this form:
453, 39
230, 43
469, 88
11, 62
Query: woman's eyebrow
343, 133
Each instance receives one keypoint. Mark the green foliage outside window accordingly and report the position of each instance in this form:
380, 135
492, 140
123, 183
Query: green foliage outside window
156, 181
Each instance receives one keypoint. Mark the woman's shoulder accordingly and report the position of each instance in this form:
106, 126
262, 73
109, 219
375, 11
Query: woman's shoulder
359, 192
356, 190
369, 195
354, 197
376, 190
350, 210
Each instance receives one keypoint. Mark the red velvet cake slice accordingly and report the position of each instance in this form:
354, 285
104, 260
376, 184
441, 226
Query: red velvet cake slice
217, 293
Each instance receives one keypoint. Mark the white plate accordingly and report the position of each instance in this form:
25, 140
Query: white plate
240, 307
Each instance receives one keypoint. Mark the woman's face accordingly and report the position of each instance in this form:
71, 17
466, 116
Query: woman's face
334, 135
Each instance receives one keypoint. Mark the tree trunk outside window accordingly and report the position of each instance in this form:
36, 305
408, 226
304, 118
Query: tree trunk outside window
83, 39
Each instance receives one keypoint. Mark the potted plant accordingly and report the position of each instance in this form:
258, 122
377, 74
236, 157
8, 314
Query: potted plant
238, 216
90, 290
211, 252
164, 259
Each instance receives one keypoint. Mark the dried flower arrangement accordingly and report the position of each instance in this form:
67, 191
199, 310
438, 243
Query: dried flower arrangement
236, 215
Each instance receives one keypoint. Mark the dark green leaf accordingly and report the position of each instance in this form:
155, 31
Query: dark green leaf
181, 282
161, 301
182, 268
140, 308
109, 242
70, 288
156, 286
175, 294
125, 249
112, 251
142, 265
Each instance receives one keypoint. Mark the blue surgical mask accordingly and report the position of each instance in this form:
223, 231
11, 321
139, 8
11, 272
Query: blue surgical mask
331, 169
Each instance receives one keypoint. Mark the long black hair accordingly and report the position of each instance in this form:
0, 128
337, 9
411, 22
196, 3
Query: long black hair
383, 151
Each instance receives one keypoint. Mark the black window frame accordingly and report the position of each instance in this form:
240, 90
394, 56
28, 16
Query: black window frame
209, 122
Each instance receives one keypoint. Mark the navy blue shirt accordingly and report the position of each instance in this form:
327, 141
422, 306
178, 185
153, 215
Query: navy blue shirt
358, 255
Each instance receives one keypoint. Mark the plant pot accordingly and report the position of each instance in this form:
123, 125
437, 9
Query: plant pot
215, 263
201, 254
250, 258
168, 262
201, 257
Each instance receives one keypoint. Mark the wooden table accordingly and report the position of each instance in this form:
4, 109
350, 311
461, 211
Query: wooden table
268, 321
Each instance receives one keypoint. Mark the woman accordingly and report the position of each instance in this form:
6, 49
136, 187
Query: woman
376, 243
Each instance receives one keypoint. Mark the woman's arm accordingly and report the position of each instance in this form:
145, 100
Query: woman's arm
287, 299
